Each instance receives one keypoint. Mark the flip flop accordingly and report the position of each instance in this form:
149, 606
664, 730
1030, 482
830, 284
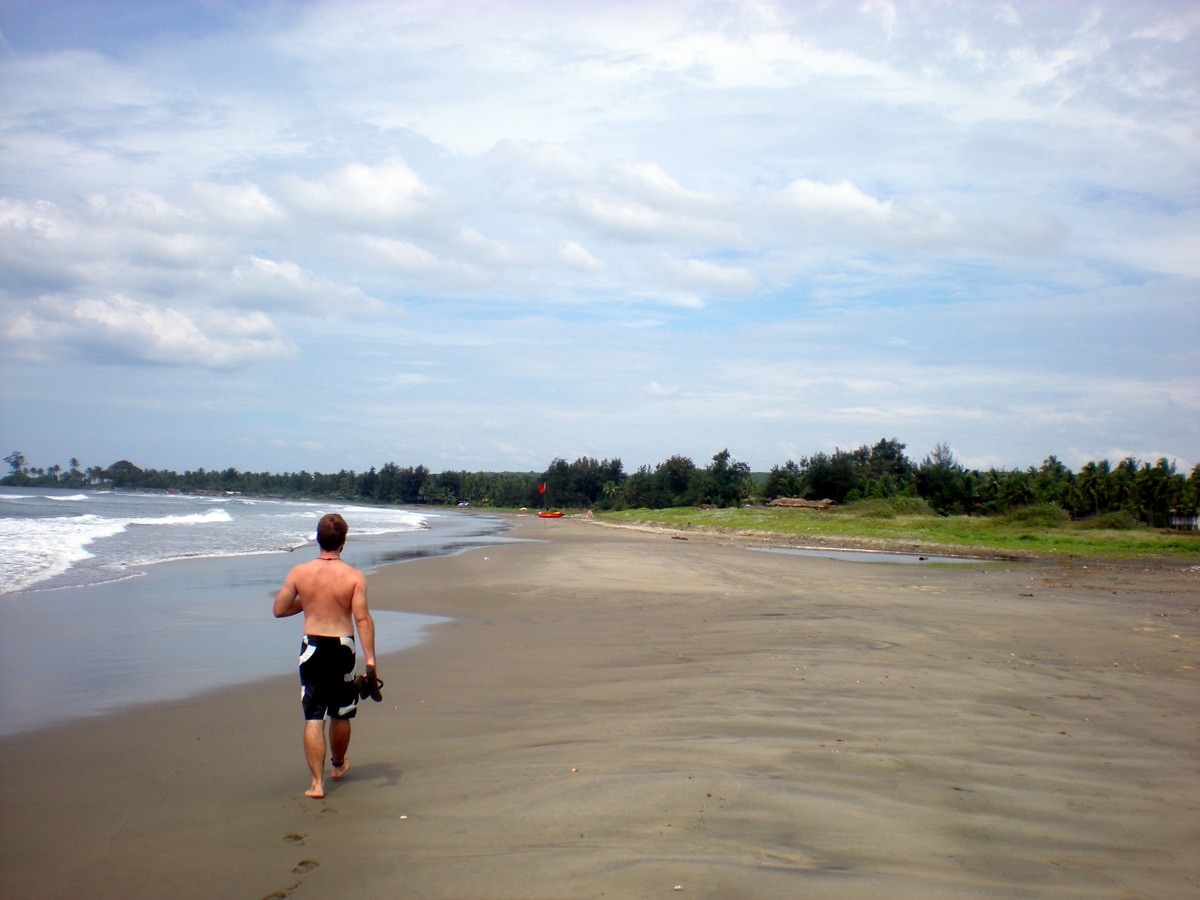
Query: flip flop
373, 685
369, 685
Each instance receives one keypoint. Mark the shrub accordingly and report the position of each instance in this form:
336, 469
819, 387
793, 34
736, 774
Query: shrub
890, 508
908, 505
1113, 521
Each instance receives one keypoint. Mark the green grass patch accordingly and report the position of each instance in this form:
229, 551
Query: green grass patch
1033, 532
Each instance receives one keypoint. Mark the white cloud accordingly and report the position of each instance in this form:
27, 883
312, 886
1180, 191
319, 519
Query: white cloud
362, 196
287, 286
884, 10
707, 277
838, 202
652, 184
1172, 253
553, 161
410, 269
119, 329
632, 220
490, 251
838, 213
398, 256
241, 207
575, 256
39, 219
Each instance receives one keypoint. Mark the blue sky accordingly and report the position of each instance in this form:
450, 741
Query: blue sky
325, 235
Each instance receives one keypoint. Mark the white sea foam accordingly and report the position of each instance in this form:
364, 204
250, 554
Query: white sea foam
381, 520
48, 547
115, 533
209, 517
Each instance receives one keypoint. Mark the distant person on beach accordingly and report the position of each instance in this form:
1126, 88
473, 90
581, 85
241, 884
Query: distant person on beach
333, 597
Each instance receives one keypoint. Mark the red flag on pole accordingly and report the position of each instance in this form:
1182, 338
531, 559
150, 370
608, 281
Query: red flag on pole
542, 488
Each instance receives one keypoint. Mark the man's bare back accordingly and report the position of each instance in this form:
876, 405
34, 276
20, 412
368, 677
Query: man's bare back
332, 595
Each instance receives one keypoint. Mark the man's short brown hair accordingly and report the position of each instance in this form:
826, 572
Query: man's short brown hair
331, 532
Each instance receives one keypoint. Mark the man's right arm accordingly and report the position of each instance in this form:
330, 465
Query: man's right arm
287, 601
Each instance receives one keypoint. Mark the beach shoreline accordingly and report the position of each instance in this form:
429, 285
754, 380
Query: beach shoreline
176, 627
615, 712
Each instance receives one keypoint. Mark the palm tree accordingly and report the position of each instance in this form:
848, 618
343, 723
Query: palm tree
1155, 488
1122, 494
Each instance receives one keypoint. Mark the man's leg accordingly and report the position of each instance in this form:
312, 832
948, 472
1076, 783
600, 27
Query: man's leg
314, 752
339, 741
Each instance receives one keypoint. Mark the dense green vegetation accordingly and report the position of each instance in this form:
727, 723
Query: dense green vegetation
1105, 497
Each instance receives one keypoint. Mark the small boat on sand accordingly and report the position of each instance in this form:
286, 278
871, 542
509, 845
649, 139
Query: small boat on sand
550, 514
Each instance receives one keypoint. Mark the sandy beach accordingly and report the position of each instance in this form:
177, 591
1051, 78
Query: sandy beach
626, 714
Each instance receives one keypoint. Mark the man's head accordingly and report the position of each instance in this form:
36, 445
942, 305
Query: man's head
331, 532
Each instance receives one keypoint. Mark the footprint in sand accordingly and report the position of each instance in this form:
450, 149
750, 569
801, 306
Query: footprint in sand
297, 839
305, 866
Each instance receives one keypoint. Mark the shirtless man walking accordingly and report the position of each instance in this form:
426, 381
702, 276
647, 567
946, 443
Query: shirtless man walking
333, 597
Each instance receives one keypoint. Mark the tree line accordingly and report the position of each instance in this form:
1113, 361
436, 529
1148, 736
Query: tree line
1131, 491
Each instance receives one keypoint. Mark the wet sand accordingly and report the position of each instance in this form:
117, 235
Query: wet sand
613, 713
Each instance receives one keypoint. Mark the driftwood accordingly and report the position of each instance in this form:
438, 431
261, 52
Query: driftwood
799, 503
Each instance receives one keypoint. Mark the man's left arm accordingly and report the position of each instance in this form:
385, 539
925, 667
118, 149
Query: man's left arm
363, 620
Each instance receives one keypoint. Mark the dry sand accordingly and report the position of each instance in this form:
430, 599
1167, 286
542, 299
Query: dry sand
619, 714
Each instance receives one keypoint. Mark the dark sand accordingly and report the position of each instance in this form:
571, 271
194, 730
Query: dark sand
623, 714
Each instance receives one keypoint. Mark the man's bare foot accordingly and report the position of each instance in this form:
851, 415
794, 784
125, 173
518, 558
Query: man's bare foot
317, 792
340, 770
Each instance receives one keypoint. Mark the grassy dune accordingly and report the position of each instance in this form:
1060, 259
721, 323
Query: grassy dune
909, 525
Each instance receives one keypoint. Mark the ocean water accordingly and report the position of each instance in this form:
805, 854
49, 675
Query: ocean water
109, 598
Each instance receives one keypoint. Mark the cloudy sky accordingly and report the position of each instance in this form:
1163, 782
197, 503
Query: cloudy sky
325, 235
